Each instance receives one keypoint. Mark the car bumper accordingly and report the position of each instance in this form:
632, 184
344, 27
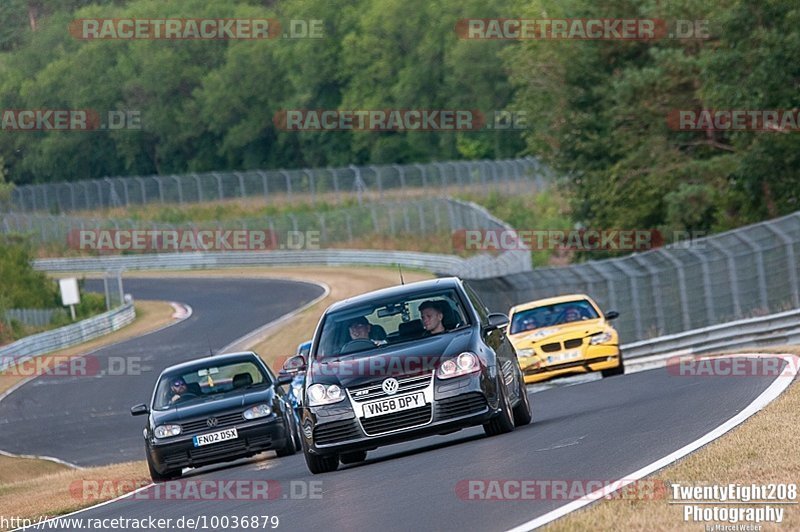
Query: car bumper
594, 358
458, 403
253, 437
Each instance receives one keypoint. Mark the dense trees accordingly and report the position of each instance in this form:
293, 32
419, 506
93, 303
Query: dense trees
601, 113
210, 104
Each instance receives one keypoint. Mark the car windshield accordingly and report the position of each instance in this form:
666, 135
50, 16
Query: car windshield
550, 315
202, 382
390, 321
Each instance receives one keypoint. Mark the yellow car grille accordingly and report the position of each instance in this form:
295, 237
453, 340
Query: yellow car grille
572, 343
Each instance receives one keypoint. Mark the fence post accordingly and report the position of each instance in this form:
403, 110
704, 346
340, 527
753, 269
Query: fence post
378, 181
632, 275
160, 189
732, 275
655, 286
311, 186
220, 191
264, 184
335, 174
142, 188
687, 321
180, 188
401, 170
358, 184
199, 187
762, 278
242, 191
710, 315
791, 264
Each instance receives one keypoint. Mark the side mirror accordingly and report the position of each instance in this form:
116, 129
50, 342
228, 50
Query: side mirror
612, 315
497, 320
285, 377
294, 364
139, 410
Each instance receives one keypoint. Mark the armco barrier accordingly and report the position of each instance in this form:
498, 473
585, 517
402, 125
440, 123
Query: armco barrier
476, 267
764, 331
82, 331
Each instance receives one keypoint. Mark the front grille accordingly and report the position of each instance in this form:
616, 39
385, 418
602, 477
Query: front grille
259, 440
201, 425
336, 431
374, 391
461, 405
573, 342
174, 458
226, 447
551, 348
399, 420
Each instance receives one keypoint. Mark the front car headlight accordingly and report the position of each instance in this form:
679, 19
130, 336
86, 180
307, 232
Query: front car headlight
255, 412
463, 364
167, 431
320, 394
601, 338
527, 352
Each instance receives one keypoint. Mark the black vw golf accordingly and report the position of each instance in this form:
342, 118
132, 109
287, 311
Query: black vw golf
403, 363
215, 409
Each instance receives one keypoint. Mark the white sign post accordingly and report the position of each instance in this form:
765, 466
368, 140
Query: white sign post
69, 294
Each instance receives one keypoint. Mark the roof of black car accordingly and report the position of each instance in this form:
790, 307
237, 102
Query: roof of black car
393, 291
223, 358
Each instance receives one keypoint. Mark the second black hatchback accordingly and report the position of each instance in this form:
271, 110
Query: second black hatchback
215, 409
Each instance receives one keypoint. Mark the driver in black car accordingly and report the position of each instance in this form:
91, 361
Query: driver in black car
178, 388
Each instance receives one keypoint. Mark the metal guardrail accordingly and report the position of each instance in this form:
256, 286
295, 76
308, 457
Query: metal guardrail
34, 317
764, 331
76, 333
750, 271
279, 185
441, 264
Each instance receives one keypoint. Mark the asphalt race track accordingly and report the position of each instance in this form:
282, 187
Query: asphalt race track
599, 430
86, 420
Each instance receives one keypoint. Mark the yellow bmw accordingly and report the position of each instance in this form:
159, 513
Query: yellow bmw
564, 335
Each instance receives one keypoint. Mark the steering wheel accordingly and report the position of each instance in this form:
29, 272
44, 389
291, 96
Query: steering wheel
356, 345
183, 397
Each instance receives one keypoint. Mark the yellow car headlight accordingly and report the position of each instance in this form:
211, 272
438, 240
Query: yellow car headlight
525, 352
601, 338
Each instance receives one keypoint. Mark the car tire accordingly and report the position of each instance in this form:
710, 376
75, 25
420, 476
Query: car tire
159, 477
291, 440
613, 372
321, 464
353, 458
522, 412
504, 421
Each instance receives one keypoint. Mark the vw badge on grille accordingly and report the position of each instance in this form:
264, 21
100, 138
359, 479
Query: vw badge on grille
390, 386
212, 422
